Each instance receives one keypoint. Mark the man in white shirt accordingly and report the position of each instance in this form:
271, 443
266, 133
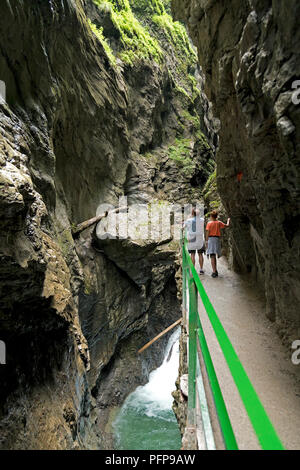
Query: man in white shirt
195, 237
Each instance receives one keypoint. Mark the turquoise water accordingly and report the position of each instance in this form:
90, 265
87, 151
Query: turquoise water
146, 420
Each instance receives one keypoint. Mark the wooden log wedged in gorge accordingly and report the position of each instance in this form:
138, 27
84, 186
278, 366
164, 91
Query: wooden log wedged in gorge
76, 231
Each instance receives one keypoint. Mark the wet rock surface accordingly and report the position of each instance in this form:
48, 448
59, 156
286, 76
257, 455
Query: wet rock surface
76, 132
249, 52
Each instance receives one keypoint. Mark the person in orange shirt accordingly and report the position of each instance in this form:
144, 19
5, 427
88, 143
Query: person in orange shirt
213, 234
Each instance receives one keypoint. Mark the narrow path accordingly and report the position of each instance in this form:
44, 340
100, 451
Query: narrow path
267, 363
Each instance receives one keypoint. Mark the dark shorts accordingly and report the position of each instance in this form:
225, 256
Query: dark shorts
202, 251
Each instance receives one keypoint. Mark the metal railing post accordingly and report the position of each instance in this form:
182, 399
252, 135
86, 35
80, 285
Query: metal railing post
259, 419
193, 312
184, 284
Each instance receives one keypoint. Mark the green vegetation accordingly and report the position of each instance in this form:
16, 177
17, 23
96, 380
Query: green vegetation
66, 243
185, 58
204, 143
151, 7
149, 155
146, 28
143, 30
180, 152
88, 284
210, 193
136, 41
177, 35
195, 121
211, 184
99, 33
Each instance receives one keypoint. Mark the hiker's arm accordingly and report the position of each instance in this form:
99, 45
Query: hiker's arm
228, 223
206, 236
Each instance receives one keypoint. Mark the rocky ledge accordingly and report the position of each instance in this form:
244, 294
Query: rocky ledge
249, 53
83, 124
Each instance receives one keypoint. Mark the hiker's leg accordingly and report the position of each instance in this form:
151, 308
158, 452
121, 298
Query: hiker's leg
201, 260
213, 260
193, 258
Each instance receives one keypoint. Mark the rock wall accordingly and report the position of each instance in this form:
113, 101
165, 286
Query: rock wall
83, 123
249, 53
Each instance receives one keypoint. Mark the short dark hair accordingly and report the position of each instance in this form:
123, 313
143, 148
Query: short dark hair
214, 214
195, 212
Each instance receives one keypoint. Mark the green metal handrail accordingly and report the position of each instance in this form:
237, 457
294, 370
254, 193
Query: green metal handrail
261, 423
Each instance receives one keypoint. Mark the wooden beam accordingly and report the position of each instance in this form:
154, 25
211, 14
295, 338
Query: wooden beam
88, 223
159, 336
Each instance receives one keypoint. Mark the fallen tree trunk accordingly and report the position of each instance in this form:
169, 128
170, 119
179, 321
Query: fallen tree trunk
76, 231
159, 336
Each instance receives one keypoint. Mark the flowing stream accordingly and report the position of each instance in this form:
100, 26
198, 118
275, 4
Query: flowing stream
146, 420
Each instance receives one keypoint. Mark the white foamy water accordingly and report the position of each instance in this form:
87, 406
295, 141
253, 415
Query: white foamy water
146, 420
156, 394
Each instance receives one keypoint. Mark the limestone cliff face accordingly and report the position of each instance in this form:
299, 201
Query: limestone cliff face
104, 99
249, 52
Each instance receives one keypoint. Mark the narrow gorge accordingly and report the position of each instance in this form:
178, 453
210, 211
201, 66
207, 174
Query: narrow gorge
154, 103
249, 53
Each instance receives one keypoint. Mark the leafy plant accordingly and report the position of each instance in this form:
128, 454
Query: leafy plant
136, 41
180, 152
151, 7
99, 33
